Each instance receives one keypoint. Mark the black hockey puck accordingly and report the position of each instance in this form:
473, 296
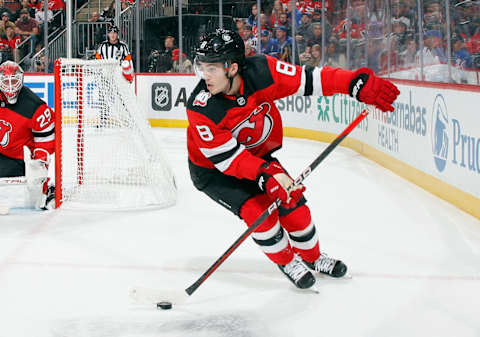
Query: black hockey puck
164, 305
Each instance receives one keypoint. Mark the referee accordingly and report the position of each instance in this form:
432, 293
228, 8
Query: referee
113, 48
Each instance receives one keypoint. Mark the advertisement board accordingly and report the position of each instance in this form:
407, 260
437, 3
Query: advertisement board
433, 132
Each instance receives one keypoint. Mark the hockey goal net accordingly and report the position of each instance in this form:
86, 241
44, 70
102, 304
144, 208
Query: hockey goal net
106, 155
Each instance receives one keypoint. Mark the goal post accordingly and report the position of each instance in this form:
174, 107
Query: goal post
106, 155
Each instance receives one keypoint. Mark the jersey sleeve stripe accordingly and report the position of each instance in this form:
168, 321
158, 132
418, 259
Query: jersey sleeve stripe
308, 70
44, 139
43, 134
210, 152
224, 156
47, 129
225, 164
317, 82
301, 88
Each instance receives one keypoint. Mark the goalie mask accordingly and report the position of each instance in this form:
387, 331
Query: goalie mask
224, 46
11, 80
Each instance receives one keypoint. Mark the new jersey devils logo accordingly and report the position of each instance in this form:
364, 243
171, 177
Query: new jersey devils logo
5, 129
256, 128
202, 98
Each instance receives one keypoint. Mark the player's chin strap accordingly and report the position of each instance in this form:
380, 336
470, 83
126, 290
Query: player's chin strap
241, 100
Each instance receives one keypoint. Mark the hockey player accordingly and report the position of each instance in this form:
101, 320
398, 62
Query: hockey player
234, 128
115, 49
27, 137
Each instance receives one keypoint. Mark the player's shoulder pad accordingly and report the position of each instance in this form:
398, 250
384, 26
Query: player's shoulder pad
214, 107
256, 73
27, 103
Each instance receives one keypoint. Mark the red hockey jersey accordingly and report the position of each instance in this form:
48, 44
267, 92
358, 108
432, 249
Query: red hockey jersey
27, 122
231, 134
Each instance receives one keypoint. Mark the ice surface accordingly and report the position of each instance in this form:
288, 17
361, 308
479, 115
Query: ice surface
415, 261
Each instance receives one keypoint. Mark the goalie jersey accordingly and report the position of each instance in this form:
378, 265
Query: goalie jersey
28, 122
232, 134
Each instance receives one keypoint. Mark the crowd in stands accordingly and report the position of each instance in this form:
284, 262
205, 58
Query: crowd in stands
384, 39
22, 28
392, 44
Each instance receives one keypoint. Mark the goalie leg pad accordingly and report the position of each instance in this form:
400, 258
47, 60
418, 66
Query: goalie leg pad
40, 192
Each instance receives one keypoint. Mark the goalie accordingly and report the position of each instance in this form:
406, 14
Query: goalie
27, 138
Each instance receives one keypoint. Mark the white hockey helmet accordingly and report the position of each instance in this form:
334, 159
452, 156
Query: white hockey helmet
11, 80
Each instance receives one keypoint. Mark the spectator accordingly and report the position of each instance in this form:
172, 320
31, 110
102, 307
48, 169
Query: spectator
240, 24
40, 14
247, 33
252, 19
317, 35
26, 27
305, 25
317, 16
461, 57
4, 9
124, 5
334, 58
96, 30
25, 4
250, 46
407, 57
265, 23
434, 17
5, 22
5, 53
187, 66
433, 51
293, 12
265, 42
399, 29
280, 44
316, 58
275, 15
464, 23
13, 41
283, 22
160, 61
39, 65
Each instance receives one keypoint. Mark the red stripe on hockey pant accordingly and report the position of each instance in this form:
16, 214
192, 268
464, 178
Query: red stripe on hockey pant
299, 220
250, 212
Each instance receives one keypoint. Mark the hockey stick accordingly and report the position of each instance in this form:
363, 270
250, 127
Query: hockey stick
190, 290
13, 181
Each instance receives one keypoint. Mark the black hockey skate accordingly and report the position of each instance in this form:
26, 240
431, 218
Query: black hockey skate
298, 273
328, 266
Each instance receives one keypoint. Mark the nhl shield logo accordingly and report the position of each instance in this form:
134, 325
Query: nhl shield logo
161, 96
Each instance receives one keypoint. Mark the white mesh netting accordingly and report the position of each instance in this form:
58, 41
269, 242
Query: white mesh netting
108, 156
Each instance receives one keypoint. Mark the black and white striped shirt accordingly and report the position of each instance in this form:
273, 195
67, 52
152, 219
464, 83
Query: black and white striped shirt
118, 51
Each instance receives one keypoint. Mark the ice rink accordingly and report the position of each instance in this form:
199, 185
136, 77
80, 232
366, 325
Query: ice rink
414, 261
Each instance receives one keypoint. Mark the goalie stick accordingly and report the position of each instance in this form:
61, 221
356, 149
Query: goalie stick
6, 181
190, 290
